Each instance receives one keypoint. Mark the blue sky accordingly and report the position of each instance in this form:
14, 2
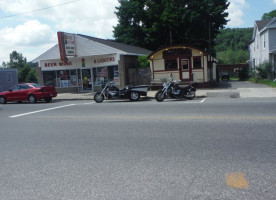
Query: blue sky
34, 33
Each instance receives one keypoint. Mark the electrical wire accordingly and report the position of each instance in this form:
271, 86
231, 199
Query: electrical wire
38, 9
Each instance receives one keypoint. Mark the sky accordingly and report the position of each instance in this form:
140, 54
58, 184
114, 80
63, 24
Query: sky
30, 26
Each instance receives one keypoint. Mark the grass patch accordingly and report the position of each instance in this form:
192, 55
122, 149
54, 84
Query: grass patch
263, 81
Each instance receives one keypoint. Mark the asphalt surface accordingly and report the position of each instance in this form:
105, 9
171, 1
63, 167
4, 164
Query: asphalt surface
207, 148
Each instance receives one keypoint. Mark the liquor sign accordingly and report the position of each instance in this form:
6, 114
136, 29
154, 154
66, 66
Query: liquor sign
67, 45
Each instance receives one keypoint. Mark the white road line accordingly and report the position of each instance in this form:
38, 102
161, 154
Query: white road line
202, 100
87, 103
38, 111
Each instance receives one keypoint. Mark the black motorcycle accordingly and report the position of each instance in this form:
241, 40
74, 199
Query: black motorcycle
173, 90
112, 92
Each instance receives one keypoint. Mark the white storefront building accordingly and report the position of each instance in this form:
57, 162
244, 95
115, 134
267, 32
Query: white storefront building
94, 62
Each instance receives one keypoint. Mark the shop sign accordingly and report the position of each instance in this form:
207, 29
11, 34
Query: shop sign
54, 64
67, 45
104, 60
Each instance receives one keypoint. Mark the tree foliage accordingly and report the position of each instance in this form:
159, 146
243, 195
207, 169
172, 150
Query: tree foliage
269, 15
26, 73
155, 23
232, 45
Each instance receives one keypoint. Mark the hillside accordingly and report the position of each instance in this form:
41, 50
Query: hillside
232, 45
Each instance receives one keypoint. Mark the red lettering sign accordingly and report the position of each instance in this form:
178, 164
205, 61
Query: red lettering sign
104, 60
57, 64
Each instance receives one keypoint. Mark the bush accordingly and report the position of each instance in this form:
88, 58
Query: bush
264, 70
144, 62
244, 74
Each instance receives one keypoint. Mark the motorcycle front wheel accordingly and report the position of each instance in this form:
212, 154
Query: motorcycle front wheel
159, 96
98, 97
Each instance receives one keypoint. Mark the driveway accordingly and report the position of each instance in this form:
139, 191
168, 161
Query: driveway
242, 89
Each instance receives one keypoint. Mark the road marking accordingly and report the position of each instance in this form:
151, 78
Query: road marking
236, 180
202, 100
87, 103
38, 111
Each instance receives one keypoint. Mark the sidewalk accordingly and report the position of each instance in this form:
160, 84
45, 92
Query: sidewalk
200, 93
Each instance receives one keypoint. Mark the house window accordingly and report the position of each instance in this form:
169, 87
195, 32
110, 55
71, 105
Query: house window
171, 64
197, 62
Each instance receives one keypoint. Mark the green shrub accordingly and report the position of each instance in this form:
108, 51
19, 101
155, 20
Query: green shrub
264, 70
244, 74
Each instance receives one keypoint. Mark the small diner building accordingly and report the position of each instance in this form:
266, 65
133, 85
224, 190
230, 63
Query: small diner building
184, 63
80, 63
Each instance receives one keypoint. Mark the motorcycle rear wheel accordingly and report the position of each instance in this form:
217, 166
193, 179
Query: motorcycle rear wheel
191, 95
159, 96
98, 97
134, 96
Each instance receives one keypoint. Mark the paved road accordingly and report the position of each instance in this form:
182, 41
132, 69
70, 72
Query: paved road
201, 149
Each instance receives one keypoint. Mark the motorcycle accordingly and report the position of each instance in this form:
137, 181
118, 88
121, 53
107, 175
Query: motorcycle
173, 90
112, 92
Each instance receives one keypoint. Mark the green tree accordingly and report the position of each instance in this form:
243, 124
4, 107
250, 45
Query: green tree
155, 23
269, 15
16, 60
23, 73
31, 76
232, 45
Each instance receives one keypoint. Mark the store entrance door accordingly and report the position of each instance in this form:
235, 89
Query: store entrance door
86, 79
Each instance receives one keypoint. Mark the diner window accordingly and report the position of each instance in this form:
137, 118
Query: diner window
171, 64
185, 64
197, 62
49, 78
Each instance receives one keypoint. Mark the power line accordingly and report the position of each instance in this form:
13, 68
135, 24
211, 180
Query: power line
38, 9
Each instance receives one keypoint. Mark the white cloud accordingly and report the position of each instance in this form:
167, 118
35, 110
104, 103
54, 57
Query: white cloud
30, 35
236, 14
33, 30
274, 1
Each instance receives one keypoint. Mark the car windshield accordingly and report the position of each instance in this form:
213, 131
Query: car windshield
35, 85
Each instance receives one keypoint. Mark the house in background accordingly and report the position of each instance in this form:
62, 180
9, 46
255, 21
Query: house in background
262, 47
8, 78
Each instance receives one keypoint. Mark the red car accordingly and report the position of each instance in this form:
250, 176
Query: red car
28, 92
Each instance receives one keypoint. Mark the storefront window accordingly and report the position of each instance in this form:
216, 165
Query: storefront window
63, 78
49, 78
102, 75
197, 62
73, 78
171, 64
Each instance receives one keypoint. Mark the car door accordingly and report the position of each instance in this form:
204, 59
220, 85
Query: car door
24, 91
13, 94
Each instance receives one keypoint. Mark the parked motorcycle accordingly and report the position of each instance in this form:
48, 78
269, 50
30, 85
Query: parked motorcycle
112, 92
173, 90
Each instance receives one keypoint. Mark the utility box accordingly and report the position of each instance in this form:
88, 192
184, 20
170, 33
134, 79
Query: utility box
8, 78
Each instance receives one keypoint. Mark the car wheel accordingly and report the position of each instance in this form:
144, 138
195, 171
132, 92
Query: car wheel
159, 96
32, 99
3, 100
134, 96
98, 97
48, 100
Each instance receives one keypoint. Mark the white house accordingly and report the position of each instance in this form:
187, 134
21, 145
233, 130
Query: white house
262, 47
